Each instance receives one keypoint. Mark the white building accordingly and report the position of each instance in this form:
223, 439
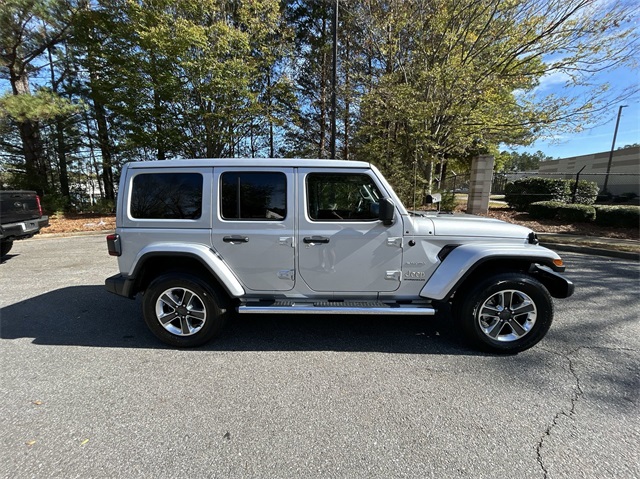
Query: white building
624, 173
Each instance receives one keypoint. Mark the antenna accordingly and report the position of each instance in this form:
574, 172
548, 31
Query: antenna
412, 241
415, 179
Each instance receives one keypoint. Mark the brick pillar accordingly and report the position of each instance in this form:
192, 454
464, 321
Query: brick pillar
480, 184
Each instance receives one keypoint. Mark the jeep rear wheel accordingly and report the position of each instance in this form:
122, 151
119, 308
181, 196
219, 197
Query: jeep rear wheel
183, 310
506, 313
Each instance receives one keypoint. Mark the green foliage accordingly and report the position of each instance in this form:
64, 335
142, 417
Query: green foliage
187, 78
586, 192
44, 105
544, 210
421, 85
54, 204
103, 207
521, 193
524, 191
456, 80
620, 216
513, 161
29, 30
448, 201
573, 213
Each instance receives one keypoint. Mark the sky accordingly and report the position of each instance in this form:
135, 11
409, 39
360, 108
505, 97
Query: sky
599, 138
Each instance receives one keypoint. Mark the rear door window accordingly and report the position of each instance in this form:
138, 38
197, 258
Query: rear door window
252, 196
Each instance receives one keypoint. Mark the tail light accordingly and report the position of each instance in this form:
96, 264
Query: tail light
114, 245
39, 205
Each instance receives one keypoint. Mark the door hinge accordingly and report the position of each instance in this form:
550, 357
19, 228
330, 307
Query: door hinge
395, 241
286, 241
287, 274
393, 275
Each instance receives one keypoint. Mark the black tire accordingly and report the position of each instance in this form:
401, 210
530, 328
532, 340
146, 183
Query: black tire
505, 313
5, 247
183, 310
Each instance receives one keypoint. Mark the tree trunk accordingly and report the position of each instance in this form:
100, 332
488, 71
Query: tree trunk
157, 112
269, 114
94, 162
61, 147
103, 132
35, 165
347, 102
62, 159
105, 149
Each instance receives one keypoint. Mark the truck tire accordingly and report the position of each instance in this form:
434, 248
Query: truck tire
505, 313
182, 310
5, 247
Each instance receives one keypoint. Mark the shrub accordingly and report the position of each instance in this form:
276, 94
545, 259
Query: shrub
448, 201
544, 210
524, 191
621, 216
103, 207
576, 213
586, 192
54, 204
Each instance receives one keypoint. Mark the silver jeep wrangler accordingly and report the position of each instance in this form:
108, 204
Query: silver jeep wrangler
202, 239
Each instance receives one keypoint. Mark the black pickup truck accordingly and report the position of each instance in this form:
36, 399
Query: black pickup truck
20, 217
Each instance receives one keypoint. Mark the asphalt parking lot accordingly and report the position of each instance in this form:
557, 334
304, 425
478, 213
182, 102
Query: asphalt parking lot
88, 392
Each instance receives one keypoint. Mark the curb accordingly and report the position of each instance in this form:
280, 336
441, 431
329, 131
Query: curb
592, 251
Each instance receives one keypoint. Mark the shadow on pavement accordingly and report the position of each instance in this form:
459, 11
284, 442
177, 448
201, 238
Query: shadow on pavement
8, 257
90, 316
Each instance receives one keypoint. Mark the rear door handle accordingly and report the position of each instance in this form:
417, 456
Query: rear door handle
235, 239
316, 240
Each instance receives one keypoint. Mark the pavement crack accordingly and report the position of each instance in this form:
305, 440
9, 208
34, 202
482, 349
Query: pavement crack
577, 394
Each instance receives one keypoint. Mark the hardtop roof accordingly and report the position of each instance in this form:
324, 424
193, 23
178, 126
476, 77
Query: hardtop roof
249, 162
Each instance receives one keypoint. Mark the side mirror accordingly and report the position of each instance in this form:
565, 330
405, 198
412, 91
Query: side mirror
387, 211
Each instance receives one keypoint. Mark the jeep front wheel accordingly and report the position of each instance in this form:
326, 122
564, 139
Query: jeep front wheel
506, 313
183, 310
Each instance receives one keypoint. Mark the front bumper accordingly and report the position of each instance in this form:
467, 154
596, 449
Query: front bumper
557, 285
120, 285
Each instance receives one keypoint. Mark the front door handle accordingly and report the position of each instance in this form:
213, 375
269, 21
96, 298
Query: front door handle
316, 240
235, 239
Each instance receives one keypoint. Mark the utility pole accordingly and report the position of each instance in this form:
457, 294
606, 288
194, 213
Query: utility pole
613, 144
334, 82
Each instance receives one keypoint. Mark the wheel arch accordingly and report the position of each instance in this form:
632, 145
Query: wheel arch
468, 263
197, 259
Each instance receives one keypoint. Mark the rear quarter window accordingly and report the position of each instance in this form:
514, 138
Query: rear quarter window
167, 196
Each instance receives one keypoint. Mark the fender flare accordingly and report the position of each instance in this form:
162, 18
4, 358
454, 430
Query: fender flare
464, 259
202, 253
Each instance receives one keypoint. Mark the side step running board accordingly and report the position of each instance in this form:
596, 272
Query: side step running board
335, 307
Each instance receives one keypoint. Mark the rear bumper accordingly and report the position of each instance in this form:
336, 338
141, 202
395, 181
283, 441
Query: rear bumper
23, 229
120, 285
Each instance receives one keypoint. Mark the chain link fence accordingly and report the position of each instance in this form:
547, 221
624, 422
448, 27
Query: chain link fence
619, 185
